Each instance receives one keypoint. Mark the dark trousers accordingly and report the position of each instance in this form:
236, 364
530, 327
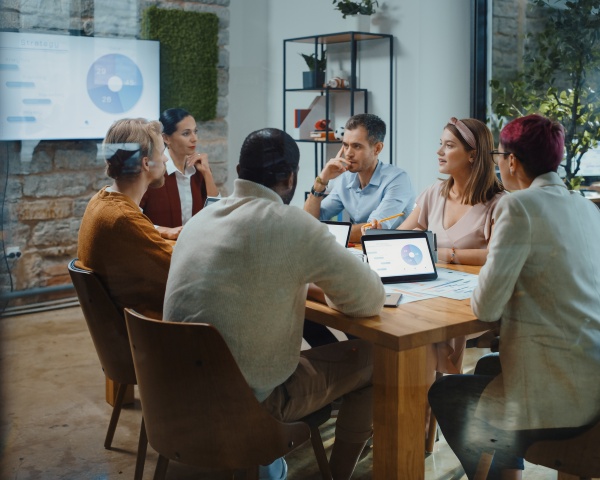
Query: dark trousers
453, 400
317, 335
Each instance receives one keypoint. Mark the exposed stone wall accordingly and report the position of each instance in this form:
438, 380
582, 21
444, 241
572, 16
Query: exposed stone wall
49, 183
512, 20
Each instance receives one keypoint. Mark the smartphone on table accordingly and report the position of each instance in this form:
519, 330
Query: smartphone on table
392, 299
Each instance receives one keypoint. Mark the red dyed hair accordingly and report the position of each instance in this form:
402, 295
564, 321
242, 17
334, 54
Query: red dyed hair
536, 141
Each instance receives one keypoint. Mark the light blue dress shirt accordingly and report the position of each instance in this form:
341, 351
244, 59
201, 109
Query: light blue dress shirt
388, 193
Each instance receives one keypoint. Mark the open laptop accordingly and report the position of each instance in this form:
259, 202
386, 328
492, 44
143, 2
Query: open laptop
430, 236
401, 257
340, 230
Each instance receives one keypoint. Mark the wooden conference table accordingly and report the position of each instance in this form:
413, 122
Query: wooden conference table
400, 336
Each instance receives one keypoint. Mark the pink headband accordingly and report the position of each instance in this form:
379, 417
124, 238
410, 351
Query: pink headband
464, 131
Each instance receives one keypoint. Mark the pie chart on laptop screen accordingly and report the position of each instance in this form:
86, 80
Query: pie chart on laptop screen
411, 254
114, 83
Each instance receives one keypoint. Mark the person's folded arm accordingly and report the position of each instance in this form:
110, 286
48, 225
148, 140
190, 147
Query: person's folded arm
315, 293
353, 288
348, 284
330, 206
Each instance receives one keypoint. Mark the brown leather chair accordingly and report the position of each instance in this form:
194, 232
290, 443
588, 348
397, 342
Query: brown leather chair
198, 408
109, 334
576, 458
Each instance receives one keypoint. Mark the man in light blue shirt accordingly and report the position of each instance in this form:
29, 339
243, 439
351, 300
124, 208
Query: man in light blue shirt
364, 187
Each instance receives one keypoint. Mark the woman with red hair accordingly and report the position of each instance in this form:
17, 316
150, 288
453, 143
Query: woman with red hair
541, 281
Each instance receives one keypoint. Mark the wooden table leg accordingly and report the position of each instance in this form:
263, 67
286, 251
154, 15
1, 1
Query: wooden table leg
399, 399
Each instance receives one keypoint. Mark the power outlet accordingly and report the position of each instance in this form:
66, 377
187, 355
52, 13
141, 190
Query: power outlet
13, 252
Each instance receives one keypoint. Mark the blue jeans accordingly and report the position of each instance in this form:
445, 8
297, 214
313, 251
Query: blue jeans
274, 471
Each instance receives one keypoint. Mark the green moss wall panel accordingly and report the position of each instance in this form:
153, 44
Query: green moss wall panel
189, 55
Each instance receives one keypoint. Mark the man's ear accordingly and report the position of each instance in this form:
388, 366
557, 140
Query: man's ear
237, 169
378, 148
290, 180
145, 163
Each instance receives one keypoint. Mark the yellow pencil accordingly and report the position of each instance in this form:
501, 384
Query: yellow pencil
366, 225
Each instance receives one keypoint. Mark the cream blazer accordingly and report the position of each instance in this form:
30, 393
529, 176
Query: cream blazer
542, 280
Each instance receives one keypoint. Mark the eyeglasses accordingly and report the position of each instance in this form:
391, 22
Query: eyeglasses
493, 153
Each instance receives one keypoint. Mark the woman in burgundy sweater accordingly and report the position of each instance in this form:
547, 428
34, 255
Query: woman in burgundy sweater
188, 179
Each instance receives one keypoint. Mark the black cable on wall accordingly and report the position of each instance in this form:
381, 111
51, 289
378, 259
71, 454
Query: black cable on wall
2, 227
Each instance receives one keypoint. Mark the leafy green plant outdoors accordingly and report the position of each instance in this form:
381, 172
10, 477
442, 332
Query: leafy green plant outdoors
314, 63
189, 54
364, 7
560, 78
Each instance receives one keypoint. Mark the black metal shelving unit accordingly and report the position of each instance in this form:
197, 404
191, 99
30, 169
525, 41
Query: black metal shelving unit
320, 43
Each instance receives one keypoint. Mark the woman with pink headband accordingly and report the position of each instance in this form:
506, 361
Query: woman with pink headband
459, 209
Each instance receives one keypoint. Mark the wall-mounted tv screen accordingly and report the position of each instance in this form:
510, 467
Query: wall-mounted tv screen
62, 87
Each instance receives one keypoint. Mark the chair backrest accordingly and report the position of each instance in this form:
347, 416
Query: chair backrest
106, 325
198, 408
579, 456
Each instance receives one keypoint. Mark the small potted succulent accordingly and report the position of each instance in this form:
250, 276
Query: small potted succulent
348, 7
315, 77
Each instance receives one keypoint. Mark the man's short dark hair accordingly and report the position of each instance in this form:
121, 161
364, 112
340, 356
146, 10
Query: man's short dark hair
268, 156
374, 126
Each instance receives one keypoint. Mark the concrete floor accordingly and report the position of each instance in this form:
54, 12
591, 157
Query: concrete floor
54, 416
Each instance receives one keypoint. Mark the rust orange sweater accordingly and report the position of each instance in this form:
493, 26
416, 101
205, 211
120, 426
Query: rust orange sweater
120, 244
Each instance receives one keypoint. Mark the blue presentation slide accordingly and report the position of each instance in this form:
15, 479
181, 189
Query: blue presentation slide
63, 87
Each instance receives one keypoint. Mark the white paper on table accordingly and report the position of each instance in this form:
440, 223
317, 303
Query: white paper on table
450, 284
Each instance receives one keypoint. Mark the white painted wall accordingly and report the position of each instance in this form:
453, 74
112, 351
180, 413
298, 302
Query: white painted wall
432, 68
248, 66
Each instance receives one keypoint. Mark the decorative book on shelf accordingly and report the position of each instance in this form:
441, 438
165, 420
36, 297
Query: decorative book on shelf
339, 112
316, 111
322, 135
299, 116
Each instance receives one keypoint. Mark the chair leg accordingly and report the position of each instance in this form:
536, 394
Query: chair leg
114, 418
319, 449
483, 467
161, 468
141, 453
431, 434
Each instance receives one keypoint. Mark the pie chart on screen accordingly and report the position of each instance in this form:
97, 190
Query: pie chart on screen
114, 83
411, 254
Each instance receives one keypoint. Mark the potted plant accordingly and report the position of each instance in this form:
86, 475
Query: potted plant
560, 79
315, 77
347, 7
